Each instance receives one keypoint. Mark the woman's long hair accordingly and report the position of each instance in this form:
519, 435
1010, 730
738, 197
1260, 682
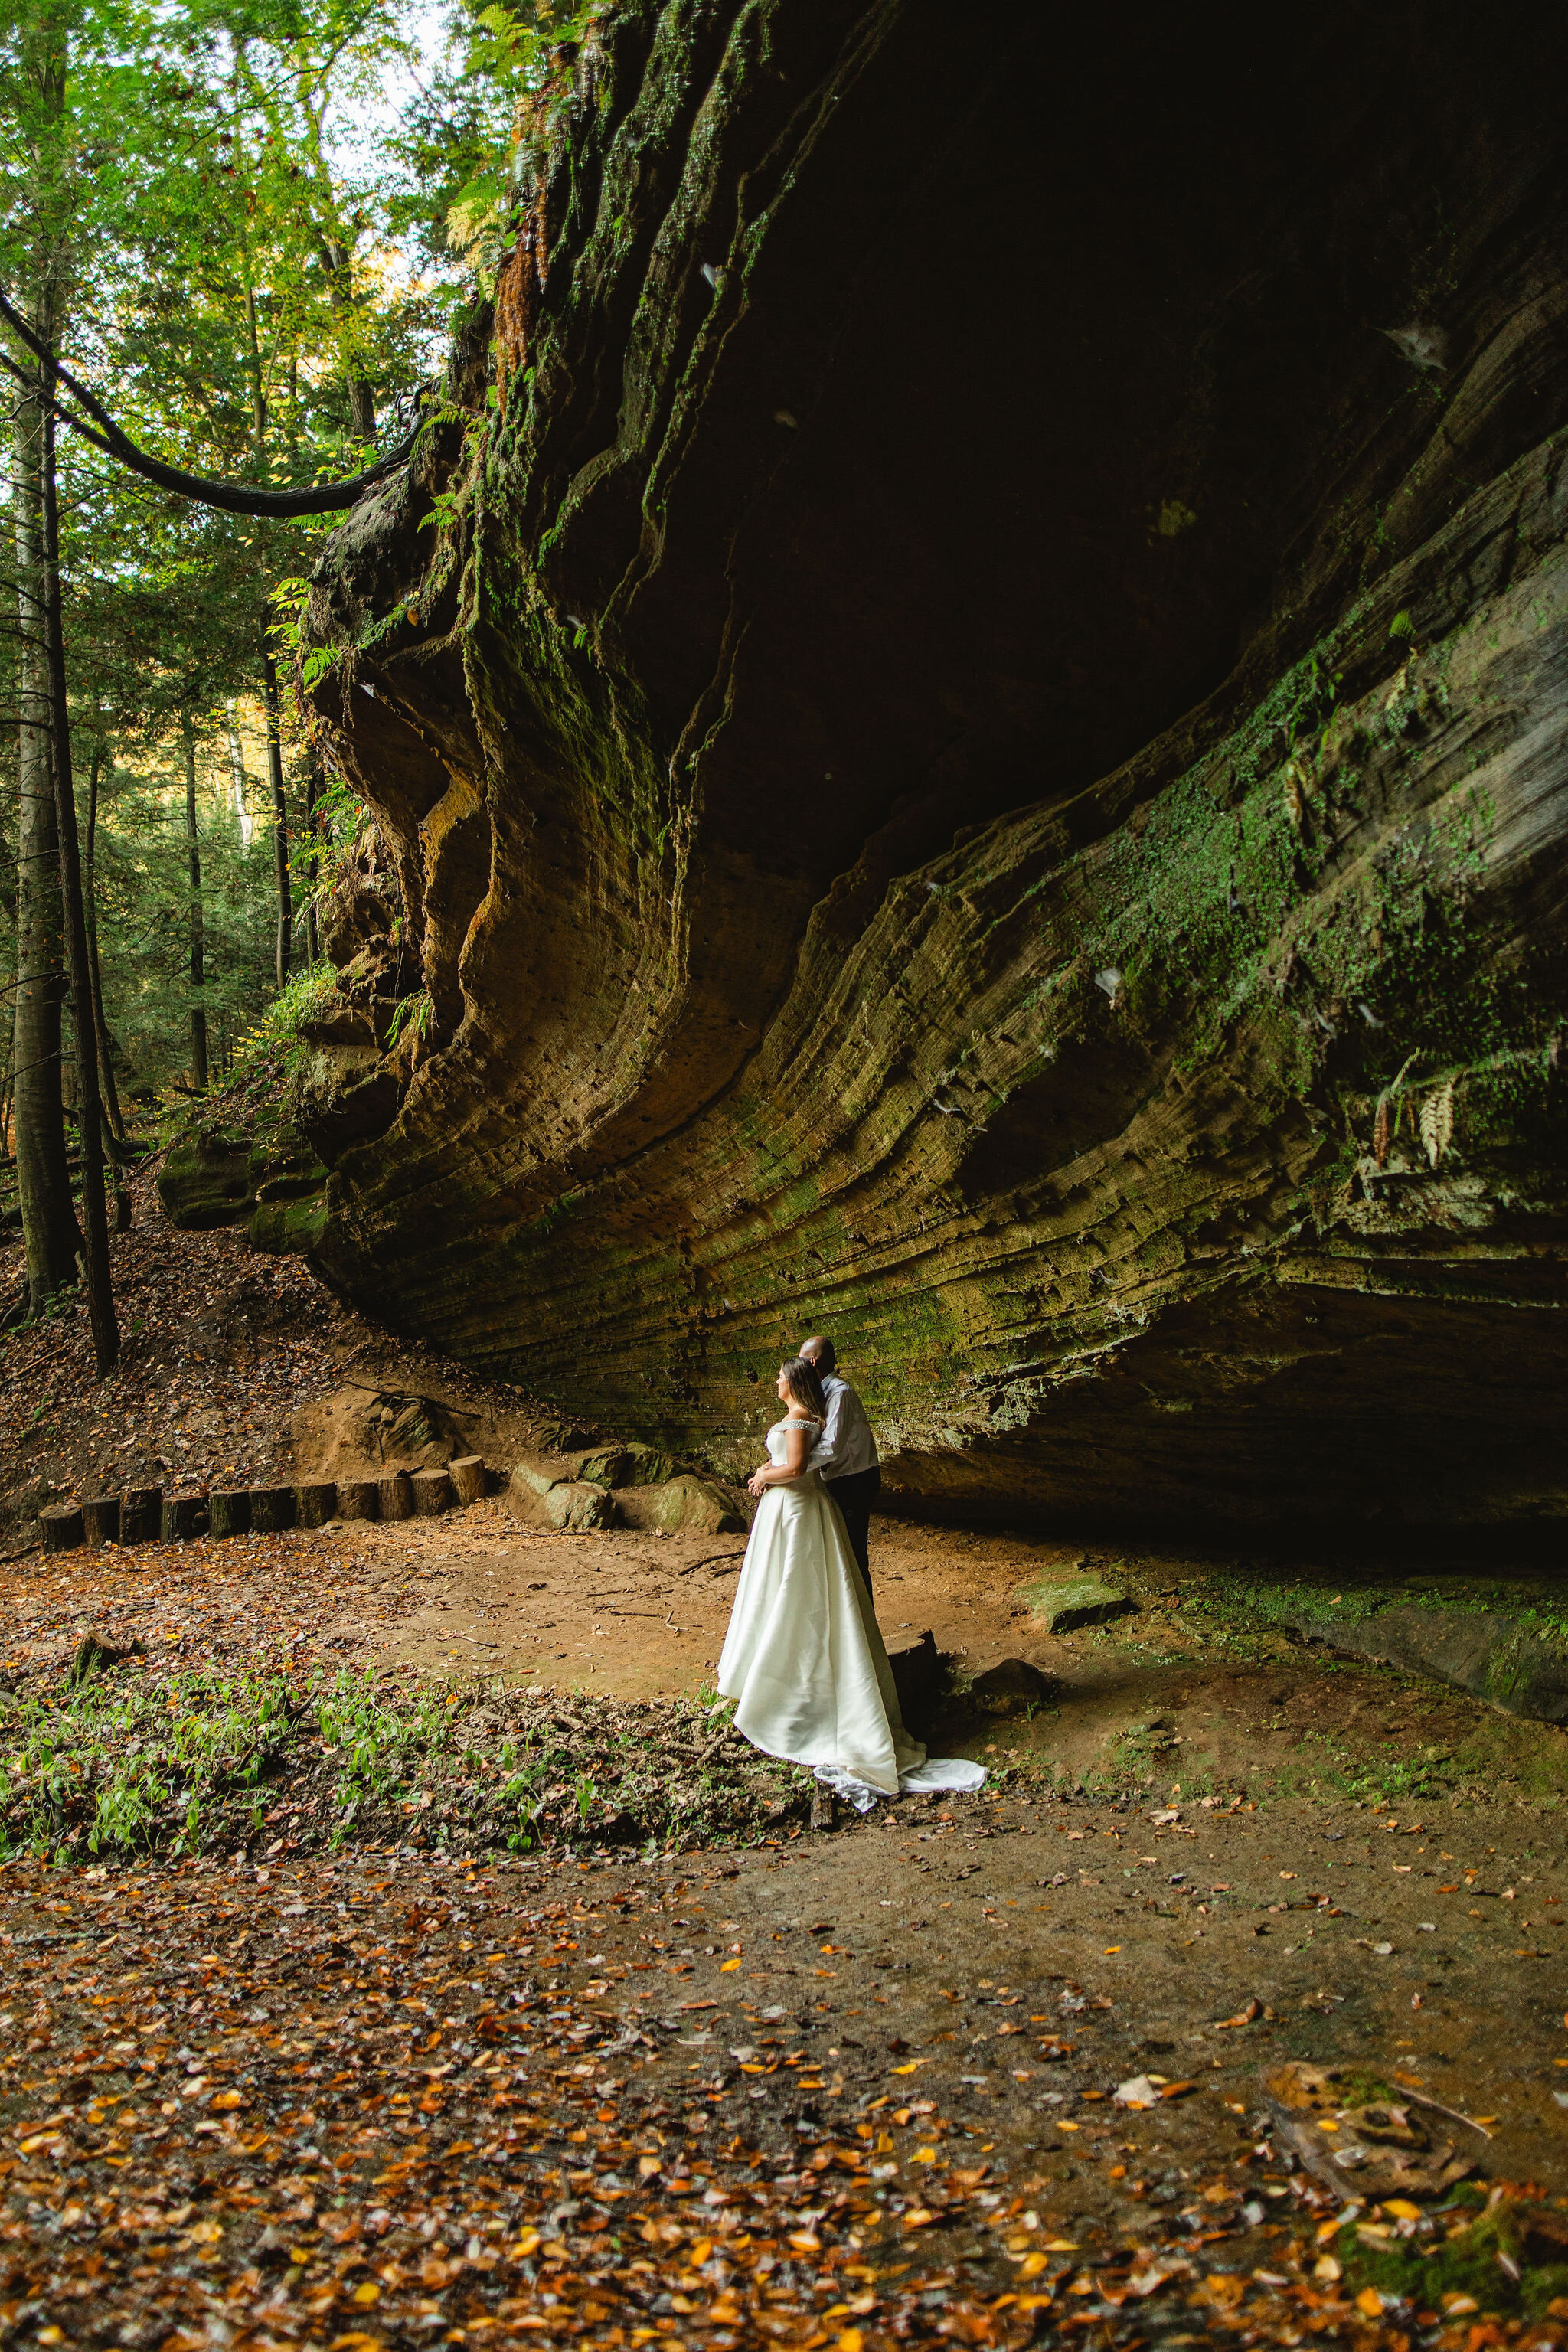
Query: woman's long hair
799, 1375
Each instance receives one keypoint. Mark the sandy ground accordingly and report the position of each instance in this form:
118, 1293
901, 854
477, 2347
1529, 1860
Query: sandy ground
644, 1615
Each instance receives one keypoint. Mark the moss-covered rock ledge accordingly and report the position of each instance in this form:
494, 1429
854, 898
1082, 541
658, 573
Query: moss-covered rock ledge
969, 704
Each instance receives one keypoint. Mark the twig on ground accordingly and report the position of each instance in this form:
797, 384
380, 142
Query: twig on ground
692, 1566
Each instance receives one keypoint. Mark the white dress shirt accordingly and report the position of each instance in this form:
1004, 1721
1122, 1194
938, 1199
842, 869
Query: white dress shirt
847, 1444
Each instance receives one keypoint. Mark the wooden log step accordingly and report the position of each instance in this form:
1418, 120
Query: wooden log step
101, 1518
315, 1502
230, 1510
432, 1493
397, 1496
467, 1476
140, 1515
185, 1516
360, 1499
61, 1526
271, 1509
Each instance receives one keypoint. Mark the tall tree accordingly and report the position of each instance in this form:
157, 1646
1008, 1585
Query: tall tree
49, 1220
114, 1118
36, 93
197, 925
90, 1109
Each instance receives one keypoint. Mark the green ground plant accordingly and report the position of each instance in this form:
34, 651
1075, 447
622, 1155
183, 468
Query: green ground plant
118, 1760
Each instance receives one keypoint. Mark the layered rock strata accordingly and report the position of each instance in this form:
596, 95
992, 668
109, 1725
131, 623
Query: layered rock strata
969, 698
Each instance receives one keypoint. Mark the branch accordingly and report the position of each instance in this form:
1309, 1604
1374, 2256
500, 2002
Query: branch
233, 498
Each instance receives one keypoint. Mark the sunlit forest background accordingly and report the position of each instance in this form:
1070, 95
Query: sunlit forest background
251, 229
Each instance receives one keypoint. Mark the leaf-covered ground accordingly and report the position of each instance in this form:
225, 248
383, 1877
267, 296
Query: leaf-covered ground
819, 2091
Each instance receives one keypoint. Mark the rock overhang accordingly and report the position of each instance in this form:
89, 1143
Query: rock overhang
993, 820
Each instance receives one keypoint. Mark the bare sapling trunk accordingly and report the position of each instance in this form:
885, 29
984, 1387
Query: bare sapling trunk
312, 936
51, 1240
238, 781
197, 917
279, 810
90, 1112
113, 1118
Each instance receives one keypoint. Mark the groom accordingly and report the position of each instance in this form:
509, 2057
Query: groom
846, 1453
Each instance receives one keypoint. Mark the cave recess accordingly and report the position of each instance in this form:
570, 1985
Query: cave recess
969, 704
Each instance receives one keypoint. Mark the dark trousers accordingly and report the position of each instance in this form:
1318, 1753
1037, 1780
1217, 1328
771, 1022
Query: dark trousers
854, 1497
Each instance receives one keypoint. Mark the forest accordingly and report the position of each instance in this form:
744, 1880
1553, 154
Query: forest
249, 231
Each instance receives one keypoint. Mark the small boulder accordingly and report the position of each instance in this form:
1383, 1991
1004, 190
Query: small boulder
605, 1466
287, 1228
646, 1465
686, 1505
559, 1504
1011, 1688
206, 1181
1065, 1599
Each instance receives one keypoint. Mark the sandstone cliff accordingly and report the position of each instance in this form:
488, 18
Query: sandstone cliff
969, 708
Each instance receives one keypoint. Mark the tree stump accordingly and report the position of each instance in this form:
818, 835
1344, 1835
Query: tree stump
181, 1514
230, 1509
315, 1503
62, 1527
432, 1493
467, 1476
823, 1811
271, 1509
121, 1210
140, 1515
358, 1499
101, 1518
397, 1496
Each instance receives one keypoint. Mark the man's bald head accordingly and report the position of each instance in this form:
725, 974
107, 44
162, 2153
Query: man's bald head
819, 1352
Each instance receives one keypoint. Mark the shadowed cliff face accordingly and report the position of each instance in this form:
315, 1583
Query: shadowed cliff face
978, 759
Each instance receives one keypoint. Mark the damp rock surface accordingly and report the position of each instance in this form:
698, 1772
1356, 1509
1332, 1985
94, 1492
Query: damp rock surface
978, 762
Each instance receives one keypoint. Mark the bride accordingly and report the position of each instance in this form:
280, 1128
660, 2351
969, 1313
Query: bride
804, 1658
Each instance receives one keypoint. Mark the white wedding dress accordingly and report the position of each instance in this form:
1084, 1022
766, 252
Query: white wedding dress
804, 1658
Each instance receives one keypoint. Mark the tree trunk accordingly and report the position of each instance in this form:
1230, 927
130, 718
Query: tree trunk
61, 1526
279, 810
312, 937
238, 777
271, 1509
100, 1520
194, 851
394, 1495
115, 1120
90, 1109
431, 1492
49, 1220
466, 1473
181, 1514
140, 1515
230, 1509
339, 282
315, 1503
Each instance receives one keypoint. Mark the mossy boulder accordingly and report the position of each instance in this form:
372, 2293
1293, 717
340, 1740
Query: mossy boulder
207, 1180
1517, 1658
288, 1228
686, 1505
540, 1500
1063, 1600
